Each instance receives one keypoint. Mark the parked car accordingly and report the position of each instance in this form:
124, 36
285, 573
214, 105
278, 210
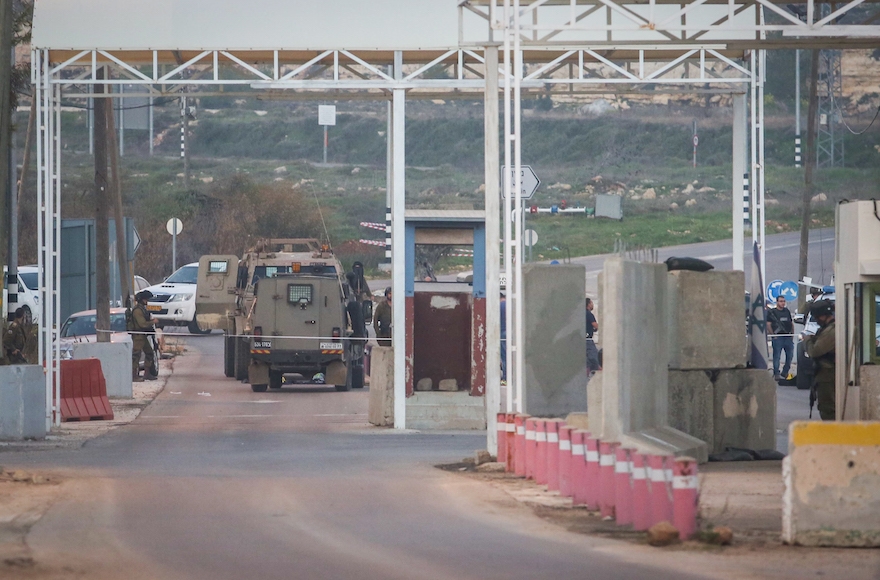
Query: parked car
28, 292
805, 369
174, 300
80, 327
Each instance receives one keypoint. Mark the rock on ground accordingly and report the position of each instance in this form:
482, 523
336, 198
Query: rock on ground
662, 534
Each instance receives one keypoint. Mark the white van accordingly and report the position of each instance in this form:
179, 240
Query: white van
174, 300
28, 292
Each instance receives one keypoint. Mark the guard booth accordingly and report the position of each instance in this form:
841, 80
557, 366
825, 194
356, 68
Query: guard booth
445, 325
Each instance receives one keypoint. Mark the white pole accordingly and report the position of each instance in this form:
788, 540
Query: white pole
173, 244
519, 376
398, 233
508, 208
739, 167
56, 250
759, 176
797, 108
39, 64
492, 231
121, 129
151, 125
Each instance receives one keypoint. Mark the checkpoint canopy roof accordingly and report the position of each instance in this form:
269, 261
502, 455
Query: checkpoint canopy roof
299, 29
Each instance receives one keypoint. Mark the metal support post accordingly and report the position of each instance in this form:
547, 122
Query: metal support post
493, 288
150, 122
507, 214
517, 243
739, 167
389, 176
398, 232
797, 108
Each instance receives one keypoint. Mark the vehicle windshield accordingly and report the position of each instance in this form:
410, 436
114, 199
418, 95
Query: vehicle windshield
85, 325
185, 275
30, 279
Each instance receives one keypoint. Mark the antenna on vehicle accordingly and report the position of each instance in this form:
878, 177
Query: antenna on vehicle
323, 223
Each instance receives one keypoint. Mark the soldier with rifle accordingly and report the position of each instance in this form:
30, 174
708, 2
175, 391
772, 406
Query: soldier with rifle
141, 326
821, 348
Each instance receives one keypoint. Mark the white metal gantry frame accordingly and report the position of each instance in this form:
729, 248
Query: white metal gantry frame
343, 70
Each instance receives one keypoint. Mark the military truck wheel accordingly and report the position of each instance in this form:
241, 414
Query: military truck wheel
242, 359
229, 356
259, 388
195, 329
276, 379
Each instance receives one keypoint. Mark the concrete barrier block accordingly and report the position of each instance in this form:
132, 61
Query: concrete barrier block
22, 402
381, 411
692, 404
706, 320
832, 484
869, 393
745, 410
555, 340
434, 410
115, 360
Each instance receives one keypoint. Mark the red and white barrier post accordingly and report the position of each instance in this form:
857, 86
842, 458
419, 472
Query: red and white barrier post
520, 447
541, 451
553, 426
607, 460
641, 503
564, 460
685, 496
530, 447
501, 434
578, 467
622, 487
593, 497
510, 436
661, 496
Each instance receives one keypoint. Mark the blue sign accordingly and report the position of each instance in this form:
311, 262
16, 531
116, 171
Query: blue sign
789, 290
773, 290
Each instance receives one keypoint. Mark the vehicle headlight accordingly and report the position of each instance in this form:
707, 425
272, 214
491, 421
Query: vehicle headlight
180, 298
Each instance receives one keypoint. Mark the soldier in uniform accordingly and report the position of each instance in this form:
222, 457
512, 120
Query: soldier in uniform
16, 338
141, 325
820, 347
382, 320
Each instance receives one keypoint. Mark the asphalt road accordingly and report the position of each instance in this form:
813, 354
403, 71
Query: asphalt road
215, 481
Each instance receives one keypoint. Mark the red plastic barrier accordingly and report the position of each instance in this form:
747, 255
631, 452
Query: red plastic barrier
541, 451
607, 456
578, 467
83, 391
510, 436
564, 459
519, 462
593, 497
553, 426
501, 434
641, 493
531, 425
685, 496
661, 497
622, 487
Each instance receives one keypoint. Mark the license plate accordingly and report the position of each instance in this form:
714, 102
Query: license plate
331, 346
262, 344
152, 308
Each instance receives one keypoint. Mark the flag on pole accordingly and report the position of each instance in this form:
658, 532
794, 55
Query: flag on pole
757, 315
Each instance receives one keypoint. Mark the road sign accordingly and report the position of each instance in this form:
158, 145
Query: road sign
529, 182
135, 242
773, 289
696, 140
327, 115
789, 290
170, 226
530, 238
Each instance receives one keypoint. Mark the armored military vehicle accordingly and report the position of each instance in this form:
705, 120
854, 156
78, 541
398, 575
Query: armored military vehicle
286, 307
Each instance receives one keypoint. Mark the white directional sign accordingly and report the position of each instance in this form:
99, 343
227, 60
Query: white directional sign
529, 182
169, 226
327, 115
530, 238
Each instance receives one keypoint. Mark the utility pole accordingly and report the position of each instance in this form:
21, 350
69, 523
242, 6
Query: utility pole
797, 108
809, 164
102, 203
6, 19
116, 184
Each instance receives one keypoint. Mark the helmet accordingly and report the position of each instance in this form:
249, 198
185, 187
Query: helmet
143, 295
822, 308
